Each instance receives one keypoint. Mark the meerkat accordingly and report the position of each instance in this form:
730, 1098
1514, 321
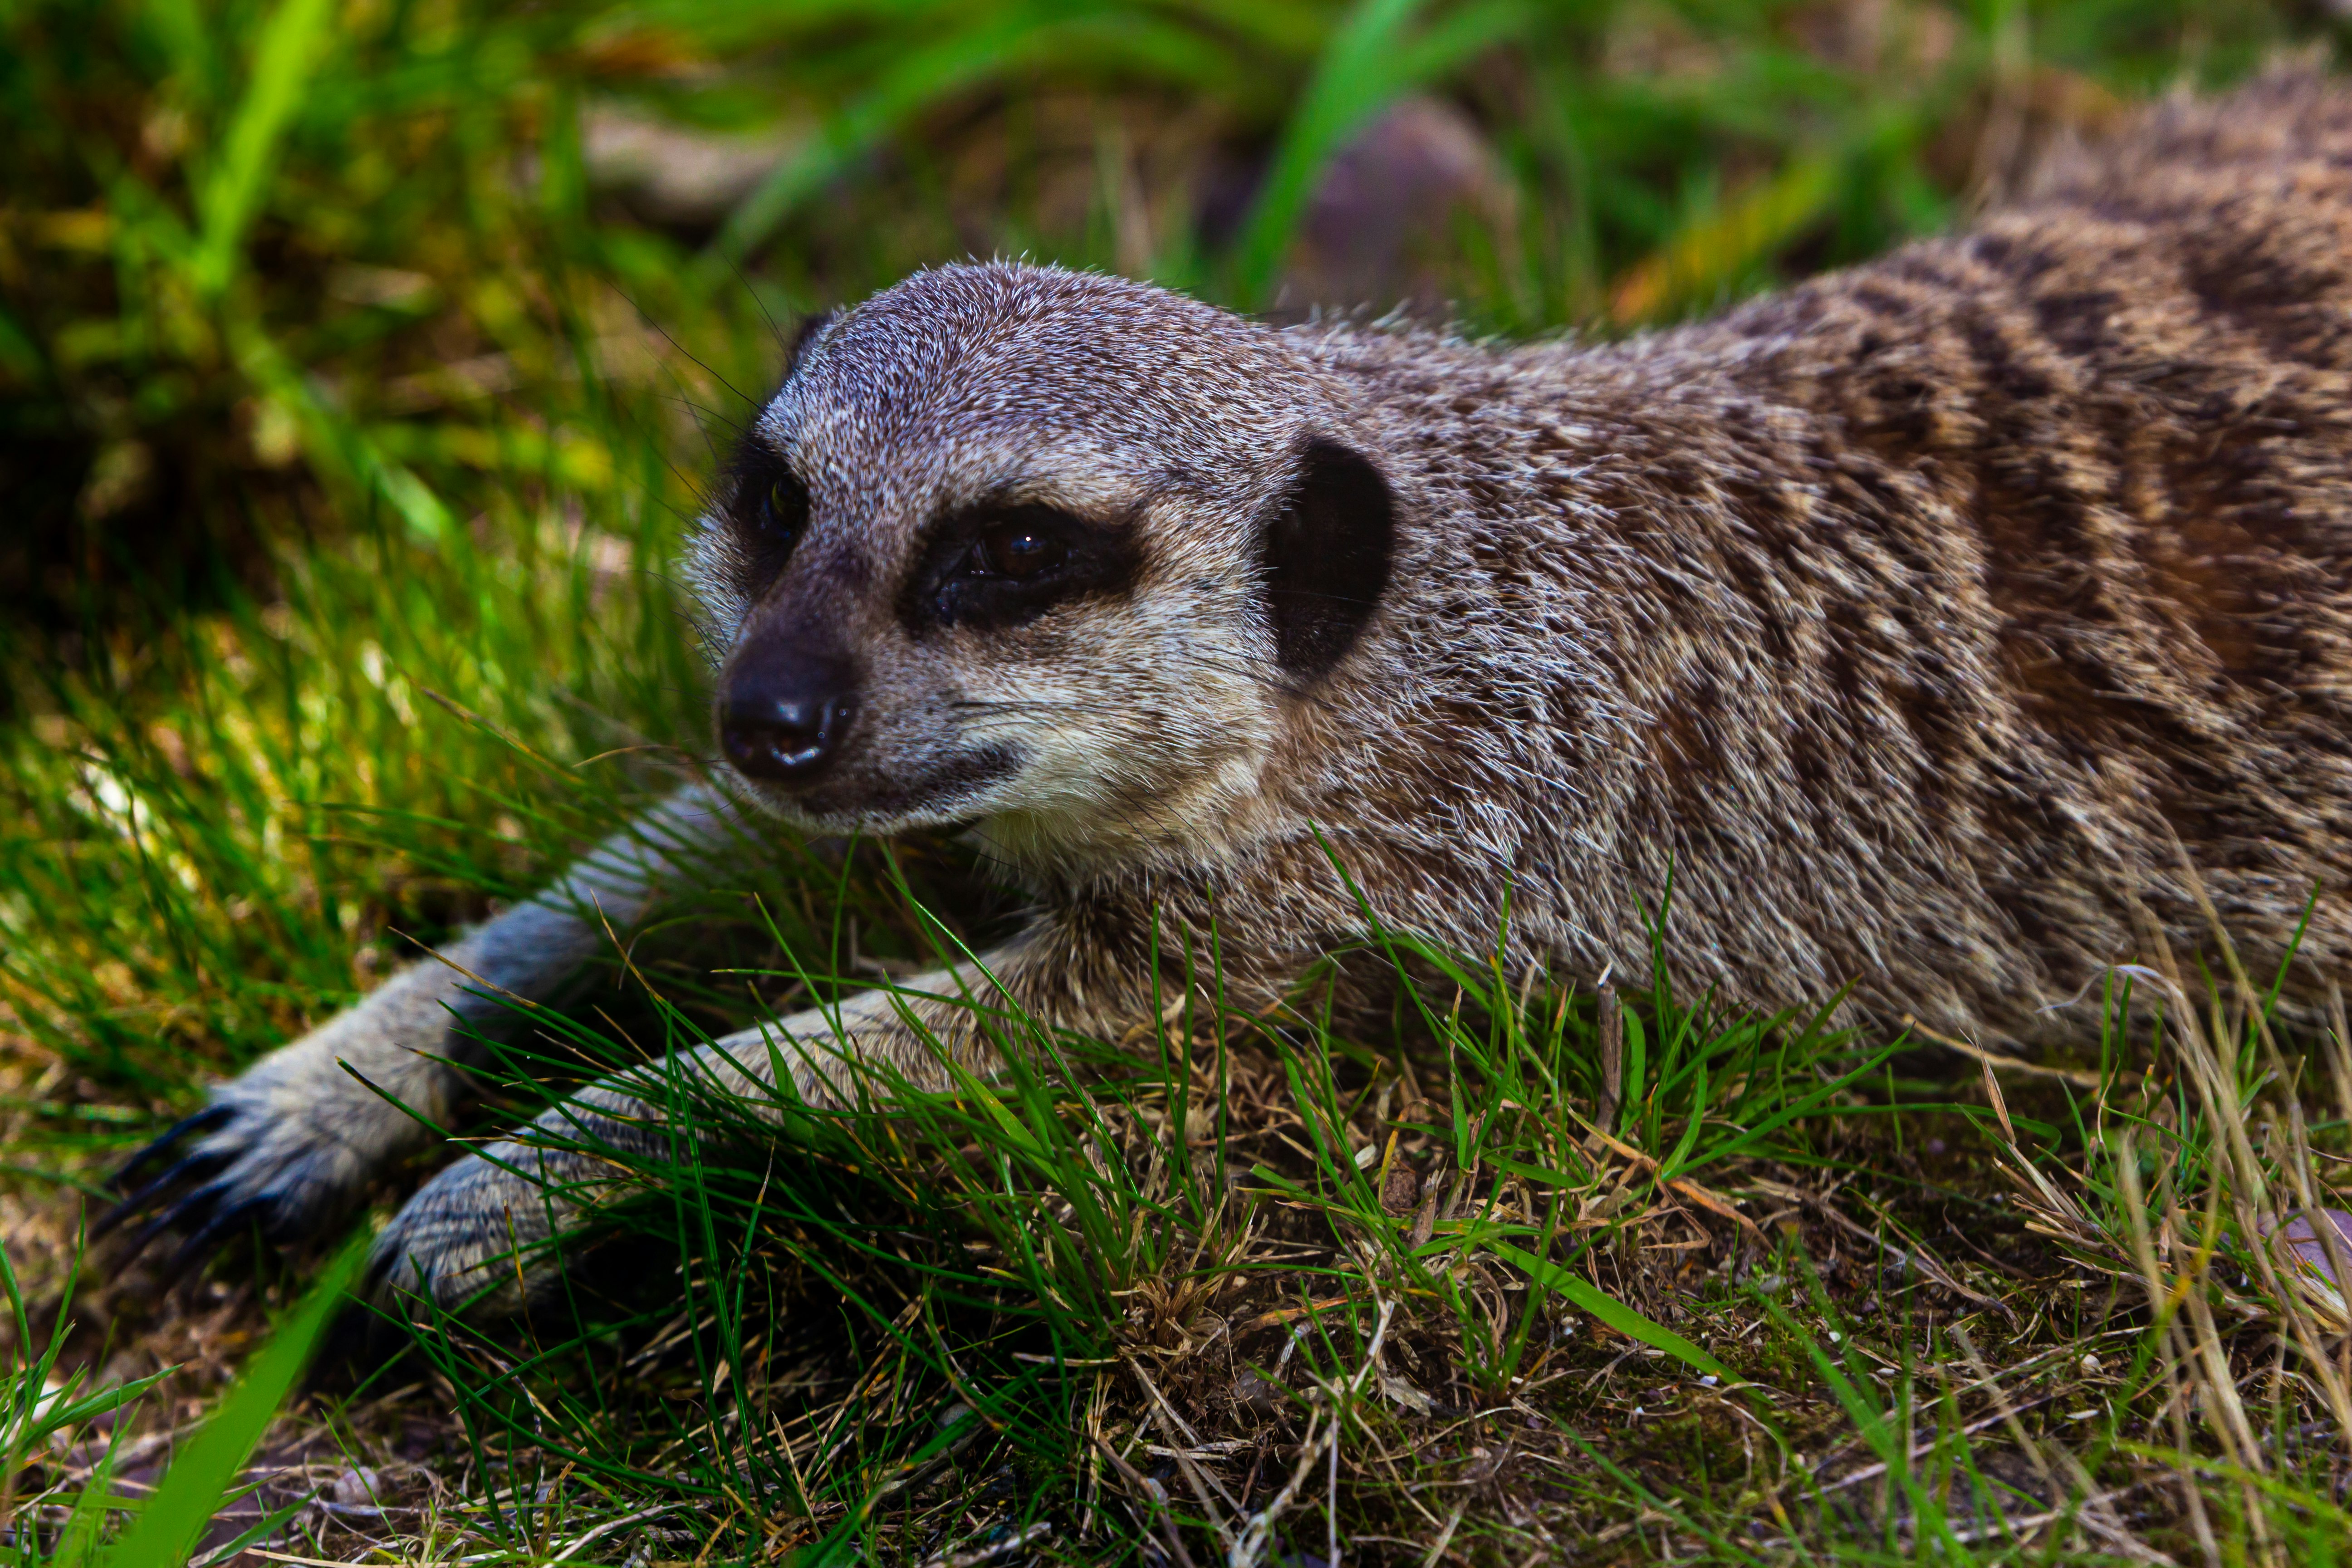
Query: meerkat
1924, 623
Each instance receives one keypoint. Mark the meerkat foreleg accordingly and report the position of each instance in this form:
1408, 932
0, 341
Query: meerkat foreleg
291, 1143
477, 1233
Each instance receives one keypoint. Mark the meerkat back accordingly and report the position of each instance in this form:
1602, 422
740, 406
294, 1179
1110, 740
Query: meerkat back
1962, 615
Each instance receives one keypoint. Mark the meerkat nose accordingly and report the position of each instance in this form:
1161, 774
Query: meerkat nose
784, 730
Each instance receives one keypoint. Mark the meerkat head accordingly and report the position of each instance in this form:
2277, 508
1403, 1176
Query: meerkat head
1050, 553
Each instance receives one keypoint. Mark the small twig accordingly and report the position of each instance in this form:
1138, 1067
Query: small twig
1331, 1500
1280, 1315
1682, 1186
1151, 1493
611, 1525
2006, 1412
1445, 1537
1251, 1548
1183, 1428
2035, 1521
2081, 1077
1197, 1479
1011, 1543
1612, 1056
1921, 1450
1917, 1252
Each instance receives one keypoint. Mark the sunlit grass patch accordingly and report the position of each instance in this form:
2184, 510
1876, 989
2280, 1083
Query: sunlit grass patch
1248, 1288
1139, 1291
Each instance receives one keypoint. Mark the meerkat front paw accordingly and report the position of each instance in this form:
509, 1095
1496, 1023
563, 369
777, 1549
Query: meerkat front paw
289, 1148
475, 1238
483, 1236
486, 1236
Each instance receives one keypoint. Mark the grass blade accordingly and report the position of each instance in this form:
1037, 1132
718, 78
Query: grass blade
191, 1490
1369, 63
281, 71
1610, 1310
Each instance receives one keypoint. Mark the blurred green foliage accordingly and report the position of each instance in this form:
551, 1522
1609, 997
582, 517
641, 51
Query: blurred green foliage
267, 264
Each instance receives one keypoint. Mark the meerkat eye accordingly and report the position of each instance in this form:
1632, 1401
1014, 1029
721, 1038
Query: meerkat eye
783, 508
1005, 564
1020, 550
771, 512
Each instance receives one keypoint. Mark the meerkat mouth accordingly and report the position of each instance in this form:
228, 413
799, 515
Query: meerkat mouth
948, 792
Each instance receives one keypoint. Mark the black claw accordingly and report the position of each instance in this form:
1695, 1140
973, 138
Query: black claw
192, 1207
203, 1121
192, 1250
105, 1223
194, 1165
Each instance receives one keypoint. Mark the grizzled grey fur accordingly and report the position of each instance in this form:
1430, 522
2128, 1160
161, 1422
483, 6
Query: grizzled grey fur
1921, 618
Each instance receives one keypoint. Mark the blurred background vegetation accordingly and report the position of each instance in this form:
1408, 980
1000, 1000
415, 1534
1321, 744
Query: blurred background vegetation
268, 264
360, 360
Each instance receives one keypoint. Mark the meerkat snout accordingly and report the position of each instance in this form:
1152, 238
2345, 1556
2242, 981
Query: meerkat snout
787, 704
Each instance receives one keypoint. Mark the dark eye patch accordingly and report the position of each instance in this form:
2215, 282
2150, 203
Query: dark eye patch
764, 503
767, 507
996, 566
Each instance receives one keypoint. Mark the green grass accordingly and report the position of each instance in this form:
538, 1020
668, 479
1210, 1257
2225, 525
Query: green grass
359, 426
1080, 1237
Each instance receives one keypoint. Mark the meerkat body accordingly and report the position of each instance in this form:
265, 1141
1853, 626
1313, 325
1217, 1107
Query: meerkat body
1922, 624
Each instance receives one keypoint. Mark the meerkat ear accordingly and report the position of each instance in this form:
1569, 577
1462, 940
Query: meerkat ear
812, 327
1326, 557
